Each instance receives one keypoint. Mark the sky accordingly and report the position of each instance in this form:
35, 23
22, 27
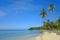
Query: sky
23, 14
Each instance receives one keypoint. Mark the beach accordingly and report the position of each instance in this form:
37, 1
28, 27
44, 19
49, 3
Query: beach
47, 36
29, 35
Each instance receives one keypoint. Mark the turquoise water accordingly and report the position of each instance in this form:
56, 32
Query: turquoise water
17, 34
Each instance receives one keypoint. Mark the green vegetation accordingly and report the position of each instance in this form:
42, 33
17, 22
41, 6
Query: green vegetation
34, 28
48, 24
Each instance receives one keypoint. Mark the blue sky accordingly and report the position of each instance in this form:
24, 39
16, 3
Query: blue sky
23, 14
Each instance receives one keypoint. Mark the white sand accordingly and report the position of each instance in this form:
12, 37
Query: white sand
47, 36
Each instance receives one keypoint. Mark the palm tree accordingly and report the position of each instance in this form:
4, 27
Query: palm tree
49, 24
51, 7
43, 13
52, 25
58, 22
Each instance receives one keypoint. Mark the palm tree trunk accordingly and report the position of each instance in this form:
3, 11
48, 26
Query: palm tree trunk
54, 16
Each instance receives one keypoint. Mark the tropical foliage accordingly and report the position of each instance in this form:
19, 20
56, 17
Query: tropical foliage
48, 25
51, 7
43, 13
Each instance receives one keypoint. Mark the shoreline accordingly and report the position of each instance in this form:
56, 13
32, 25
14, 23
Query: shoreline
47, 35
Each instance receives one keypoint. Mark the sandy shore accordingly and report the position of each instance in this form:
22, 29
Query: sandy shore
46, 36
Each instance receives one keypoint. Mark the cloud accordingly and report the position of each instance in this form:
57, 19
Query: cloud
2, 13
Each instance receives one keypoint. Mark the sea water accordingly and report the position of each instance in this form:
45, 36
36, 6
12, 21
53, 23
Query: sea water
18, 34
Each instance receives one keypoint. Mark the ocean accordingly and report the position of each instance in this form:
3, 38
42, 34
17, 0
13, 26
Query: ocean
18, 34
